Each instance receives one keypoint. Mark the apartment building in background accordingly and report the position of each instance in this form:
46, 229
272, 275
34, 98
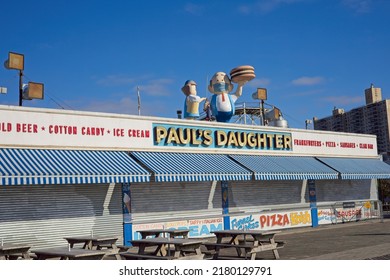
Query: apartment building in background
373, 118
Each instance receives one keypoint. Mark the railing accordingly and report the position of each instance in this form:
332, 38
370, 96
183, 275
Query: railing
356, 211
252, 108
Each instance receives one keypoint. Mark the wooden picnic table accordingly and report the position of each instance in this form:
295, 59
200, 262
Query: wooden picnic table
173, 233
183, 248
12, 251
246, 242
67, 253
92, 242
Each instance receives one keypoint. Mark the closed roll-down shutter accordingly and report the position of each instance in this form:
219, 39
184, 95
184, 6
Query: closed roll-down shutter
175, 201
341, 190
41, 216
260, 194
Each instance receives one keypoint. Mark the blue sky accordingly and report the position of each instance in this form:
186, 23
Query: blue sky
311, 55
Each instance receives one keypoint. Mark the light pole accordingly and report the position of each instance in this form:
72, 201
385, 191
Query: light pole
34, 90
261, 94
139, 102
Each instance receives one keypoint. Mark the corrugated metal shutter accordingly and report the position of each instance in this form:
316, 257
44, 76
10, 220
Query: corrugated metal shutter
340, 190
42, 216
174, 201
256, 195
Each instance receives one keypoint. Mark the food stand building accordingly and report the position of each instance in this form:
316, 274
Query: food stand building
68, 173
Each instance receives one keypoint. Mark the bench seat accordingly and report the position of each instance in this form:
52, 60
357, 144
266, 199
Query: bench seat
211, 246
136, 256
280, 243
245, 249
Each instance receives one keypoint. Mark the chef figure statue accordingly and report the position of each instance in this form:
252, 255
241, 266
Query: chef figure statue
191, 104
222, 103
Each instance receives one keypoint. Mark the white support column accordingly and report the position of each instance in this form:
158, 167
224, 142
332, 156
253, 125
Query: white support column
374, 189
303, 191
211, 195
107, 199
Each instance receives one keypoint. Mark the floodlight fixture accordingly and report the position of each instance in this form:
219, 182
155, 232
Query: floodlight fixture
262, 93
276, 113
33, 90
15, 61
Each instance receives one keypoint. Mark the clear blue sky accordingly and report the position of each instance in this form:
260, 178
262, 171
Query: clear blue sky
311, 55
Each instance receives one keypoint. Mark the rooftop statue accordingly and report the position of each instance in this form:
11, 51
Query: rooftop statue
222, 103
191, 104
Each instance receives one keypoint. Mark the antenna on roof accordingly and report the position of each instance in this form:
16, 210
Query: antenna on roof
139, 101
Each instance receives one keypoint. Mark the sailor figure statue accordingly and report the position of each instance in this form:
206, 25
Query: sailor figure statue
222, 103
191, 104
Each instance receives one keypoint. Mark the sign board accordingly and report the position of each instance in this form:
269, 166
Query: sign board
348, 205
367, 205
47, 128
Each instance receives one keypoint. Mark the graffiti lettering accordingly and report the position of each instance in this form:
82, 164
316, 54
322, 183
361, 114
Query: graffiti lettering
274, 220
245, 223
348, 213
203, 230
300, 218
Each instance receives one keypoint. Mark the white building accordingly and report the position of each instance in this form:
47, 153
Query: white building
65, 173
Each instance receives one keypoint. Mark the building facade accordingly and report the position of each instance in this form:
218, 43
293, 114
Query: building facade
69, 173
373, 118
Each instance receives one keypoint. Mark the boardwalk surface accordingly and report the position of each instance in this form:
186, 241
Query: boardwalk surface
350, 241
